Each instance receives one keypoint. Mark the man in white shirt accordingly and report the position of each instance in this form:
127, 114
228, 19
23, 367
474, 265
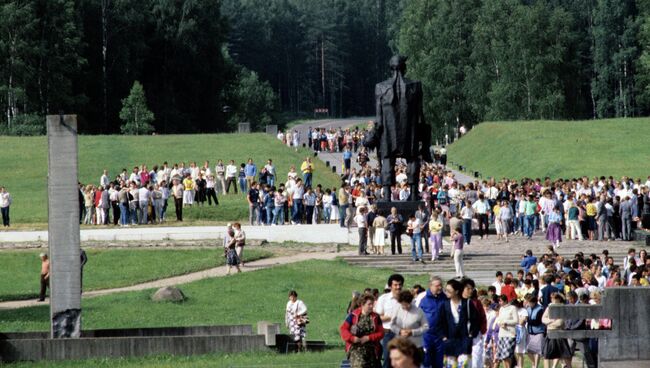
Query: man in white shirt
135, 176
386, 307
498, 283
482, 209
143, 198
362, 224
104, 180
5, 202
231, 176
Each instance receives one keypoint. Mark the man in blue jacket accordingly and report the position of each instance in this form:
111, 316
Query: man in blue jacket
528, 261
431, 305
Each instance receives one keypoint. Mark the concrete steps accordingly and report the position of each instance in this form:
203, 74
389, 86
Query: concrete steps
483, 258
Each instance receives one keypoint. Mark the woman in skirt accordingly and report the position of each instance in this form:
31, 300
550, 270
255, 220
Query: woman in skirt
296, 319
554, 231
232, 259
380, 224
507, 321
555, 349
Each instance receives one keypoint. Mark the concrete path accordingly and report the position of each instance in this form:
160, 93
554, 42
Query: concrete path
195, 276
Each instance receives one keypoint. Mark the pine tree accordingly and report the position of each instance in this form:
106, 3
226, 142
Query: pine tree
135, 113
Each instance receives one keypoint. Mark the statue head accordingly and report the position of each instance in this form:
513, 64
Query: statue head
398, 63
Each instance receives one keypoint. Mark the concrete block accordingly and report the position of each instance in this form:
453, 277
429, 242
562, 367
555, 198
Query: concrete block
576, 311
272, 130
269, 330
244, 128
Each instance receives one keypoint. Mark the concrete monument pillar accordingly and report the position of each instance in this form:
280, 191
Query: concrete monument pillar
63, 226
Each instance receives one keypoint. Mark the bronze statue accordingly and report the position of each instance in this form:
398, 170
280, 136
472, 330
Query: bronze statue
400, 129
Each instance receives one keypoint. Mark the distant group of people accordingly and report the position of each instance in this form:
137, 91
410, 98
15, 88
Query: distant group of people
454, 324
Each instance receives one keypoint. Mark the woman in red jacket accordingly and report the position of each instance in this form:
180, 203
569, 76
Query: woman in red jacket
362, 332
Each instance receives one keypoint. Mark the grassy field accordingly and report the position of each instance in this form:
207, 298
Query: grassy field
25, 166
327, 359
564, 149
325, 286
19, 270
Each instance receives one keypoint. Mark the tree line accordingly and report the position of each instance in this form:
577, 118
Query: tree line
208, 64
204, 65
528, 59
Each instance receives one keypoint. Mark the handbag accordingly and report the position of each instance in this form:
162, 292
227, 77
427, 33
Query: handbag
302, 320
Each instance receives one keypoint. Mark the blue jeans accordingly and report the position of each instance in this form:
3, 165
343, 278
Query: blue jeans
343, 209
529, 225
143, 212
242, 185
253, 213
270, 180
416, 241
327, 213
134, 214
124, 214
269, 215
278, 215
466, 229
388, 335
307, 179
297, 211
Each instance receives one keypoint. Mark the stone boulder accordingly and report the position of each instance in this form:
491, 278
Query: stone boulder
168, 294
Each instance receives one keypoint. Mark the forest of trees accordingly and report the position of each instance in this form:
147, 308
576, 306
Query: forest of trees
207, 64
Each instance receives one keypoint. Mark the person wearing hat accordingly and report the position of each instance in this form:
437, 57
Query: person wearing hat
45, 276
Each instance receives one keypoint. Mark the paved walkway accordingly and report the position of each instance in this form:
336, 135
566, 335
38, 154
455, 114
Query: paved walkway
195, 276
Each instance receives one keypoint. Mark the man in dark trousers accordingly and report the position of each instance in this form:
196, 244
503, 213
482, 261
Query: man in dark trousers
84, 260
431, 305
45, 276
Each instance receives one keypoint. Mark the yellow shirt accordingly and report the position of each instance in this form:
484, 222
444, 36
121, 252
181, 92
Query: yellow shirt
644, 282
496, 210
306, 167
591, 209
188, 184
434, 226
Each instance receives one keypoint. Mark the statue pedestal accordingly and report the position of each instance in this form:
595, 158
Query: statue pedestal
405, 209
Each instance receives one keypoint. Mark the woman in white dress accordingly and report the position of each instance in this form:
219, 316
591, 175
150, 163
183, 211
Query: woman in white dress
334, 214
296, 319
380, 224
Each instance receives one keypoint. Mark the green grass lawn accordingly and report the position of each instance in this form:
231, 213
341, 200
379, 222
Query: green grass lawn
327, 359
565, 149
325, 286
110, 268
24, 161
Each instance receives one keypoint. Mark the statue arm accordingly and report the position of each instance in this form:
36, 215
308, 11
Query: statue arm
373, 137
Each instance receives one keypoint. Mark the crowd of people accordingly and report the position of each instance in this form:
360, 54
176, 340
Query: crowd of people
598, 208
456, 324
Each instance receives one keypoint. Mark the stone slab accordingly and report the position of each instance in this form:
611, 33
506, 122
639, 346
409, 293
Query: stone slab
118, 347
63, 230
141, 332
